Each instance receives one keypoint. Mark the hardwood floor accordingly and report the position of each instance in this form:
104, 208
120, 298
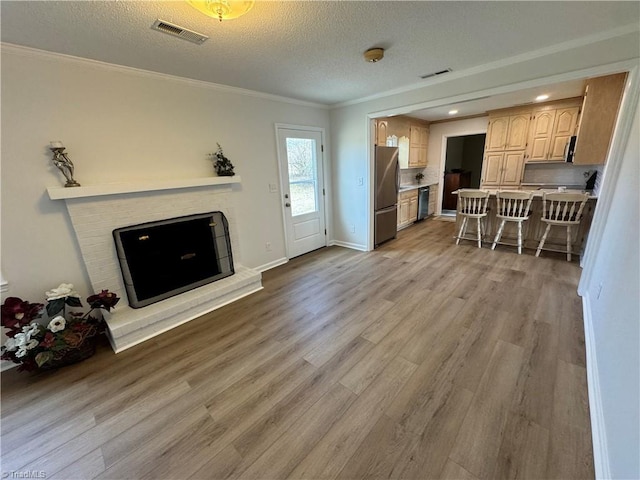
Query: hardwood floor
421, 359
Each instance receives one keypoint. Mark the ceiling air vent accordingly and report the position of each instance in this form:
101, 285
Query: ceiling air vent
180, 32
435, 74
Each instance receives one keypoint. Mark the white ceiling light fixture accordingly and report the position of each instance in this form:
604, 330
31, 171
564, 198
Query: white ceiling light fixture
222, 9
541, 98
453, 112
374, 55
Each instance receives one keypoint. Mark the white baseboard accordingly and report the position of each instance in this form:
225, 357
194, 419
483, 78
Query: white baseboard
353, 246
270, 265
598, 429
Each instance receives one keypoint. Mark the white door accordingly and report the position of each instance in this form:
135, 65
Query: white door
300, 158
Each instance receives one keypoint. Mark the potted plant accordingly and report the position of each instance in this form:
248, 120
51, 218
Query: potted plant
222, 164
419, 177
67, 338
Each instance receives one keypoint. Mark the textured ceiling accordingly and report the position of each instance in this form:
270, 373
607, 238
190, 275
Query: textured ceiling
309, 50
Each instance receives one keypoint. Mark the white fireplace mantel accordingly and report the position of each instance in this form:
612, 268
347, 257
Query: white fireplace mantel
62, 193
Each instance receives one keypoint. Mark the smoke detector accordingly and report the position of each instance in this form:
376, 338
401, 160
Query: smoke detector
374, 55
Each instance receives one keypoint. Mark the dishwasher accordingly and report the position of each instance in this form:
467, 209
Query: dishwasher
423, 203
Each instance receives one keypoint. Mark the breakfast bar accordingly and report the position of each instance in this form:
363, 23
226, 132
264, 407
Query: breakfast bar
533, 228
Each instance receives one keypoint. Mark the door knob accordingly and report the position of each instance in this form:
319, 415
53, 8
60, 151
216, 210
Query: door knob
287, 204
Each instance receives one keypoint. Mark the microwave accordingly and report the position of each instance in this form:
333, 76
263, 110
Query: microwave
570, 149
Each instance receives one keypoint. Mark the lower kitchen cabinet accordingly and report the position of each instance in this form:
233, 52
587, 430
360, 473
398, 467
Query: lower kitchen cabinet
407, 208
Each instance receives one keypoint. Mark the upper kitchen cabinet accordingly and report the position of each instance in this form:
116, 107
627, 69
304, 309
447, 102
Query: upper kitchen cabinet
508, 132
415, 132
552, 127
505, 145
502, 169
418, 142
599, 113
381, 132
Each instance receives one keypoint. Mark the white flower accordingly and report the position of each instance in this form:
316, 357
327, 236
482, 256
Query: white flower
64, 290
30, 330
57, 323
21, 353
20, 339
11, 344
33, 343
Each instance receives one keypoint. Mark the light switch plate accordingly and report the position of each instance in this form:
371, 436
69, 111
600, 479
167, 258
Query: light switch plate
273, 188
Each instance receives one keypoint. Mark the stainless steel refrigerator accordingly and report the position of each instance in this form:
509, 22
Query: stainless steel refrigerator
386, 193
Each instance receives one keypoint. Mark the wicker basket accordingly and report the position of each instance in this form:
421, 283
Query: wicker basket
85, 349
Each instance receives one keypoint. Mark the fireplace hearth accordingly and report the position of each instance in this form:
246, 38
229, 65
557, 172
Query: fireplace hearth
165, 258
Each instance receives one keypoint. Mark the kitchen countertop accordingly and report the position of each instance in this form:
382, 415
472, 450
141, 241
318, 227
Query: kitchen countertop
413, 186
538, 192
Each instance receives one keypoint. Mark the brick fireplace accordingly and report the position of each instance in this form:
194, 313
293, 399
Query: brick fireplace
96, 211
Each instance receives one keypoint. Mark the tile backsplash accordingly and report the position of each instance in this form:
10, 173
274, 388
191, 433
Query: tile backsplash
408, 176
559, 174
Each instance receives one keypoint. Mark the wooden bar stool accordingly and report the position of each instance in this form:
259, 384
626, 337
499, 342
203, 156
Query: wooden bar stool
563, 210
512, 207
472, 203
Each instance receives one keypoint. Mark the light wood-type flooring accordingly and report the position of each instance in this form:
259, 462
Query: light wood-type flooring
421, 359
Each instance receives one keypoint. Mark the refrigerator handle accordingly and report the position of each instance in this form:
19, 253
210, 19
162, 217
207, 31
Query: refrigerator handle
397, 177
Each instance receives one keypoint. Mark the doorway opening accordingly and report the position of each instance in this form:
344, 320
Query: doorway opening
463, 168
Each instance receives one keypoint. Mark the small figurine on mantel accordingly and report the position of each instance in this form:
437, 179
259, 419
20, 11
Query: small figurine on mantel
222, 164
62, 161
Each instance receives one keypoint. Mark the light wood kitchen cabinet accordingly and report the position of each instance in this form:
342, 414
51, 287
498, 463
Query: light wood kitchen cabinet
413, 207
502, 169
381, 132
415, 130
433, 199
599, 113
407, 208
550, 132
540, 136
507, 132
512, 169
418, 142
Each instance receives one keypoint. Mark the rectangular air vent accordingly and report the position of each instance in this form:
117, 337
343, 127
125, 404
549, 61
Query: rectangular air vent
180, 32
435, 74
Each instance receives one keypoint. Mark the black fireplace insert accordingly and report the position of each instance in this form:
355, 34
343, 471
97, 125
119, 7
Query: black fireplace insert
168, 257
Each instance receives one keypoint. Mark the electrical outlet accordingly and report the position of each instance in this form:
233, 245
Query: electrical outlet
267, 246
273, 188
353, 229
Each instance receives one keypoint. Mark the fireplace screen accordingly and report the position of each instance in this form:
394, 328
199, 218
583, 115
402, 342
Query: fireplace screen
168, 257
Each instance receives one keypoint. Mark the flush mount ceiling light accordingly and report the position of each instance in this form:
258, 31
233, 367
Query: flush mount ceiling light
453, 112
374, 55
540, 98
222, 9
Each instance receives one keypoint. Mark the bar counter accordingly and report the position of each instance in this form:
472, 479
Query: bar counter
533, 229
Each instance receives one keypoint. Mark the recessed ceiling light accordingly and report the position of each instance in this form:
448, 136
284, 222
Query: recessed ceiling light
453, 112
540, 98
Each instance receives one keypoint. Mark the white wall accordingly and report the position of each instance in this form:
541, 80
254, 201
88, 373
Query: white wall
615, 316
122, 125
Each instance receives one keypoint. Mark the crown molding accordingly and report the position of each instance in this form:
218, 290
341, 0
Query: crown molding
10, 48
505, 62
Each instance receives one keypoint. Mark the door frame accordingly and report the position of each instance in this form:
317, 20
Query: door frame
443, 161
323, 163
